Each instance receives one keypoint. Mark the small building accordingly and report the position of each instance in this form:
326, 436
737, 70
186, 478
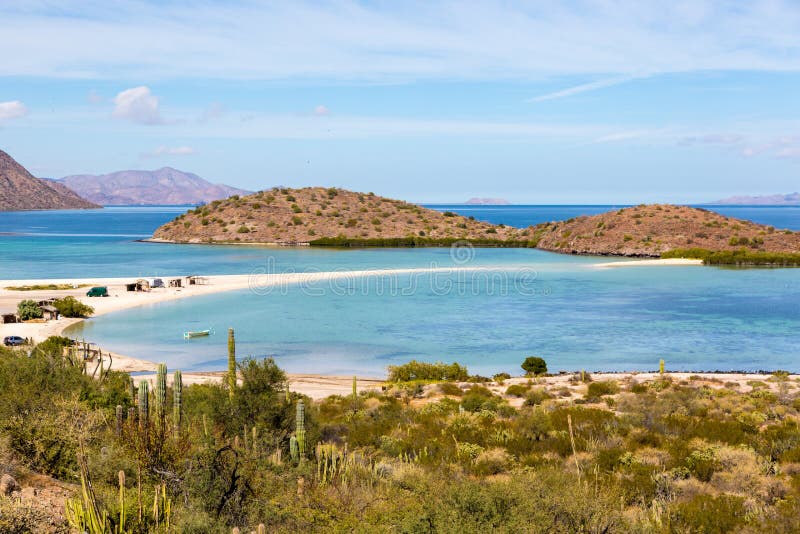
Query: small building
139, 285
49, 313
157, 282
8, 318
176, 282
195, 280
46, 302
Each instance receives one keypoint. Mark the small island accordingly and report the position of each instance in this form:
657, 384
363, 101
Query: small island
668, 231
331, 217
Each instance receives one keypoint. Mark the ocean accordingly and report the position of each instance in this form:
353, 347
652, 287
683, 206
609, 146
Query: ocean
533, 303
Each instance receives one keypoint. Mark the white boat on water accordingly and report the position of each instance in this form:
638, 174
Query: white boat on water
196, 333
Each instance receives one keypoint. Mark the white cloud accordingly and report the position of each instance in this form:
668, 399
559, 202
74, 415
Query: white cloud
385, 41
583, 88
169, 151
321, 111
137, 105
12, 110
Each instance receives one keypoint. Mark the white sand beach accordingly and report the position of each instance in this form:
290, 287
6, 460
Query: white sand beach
650, 263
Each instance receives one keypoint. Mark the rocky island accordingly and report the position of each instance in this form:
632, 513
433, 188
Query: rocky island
663, 230
330, 216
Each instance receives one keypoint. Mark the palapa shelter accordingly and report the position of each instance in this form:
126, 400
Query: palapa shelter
139, 285
175, 282
49, 313
196, 280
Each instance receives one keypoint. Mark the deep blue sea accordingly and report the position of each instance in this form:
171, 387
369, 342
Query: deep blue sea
559, 307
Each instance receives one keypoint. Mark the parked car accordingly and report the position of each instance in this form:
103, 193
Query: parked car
100, 291
13, 341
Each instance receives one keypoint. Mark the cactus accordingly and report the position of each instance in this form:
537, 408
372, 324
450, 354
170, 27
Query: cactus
300, 428
119, 418
160, 392
261, 529
231, 363
294, 451
255, 440
121, 525
177, 402
661, 367
144, 403
132, 385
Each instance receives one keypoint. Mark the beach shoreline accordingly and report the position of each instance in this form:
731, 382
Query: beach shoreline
313, 385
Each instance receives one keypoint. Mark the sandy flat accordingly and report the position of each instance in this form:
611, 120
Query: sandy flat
650, 263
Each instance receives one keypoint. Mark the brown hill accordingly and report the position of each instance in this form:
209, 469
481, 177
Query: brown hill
143, 188
19, 190
650, 230
291, 216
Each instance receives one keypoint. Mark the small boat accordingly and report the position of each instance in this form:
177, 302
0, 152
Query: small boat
196, 333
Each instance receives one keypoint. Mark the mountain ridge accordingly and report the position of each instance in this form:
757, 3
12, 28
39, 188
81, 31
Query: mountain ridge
166, 185
21, 191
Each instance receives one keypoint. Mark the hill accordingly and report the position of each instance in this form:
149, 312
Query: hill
328, 217
162, 186
652, 230
790, 199
20, 190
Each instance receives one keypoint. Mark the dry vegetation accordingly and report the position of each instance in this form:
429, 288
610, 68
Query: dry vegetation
651, 230
653, 453
294, 216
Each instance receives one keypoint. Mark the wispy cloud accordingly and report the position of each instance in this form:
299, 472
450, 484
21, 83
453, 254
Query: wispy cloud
385, 41
12, 110
321, 111
583, 88
137, 104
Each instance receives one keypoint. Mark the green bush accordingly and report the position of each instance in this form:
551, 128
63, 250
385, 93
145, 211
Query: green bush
517, 390
604, 387
28, 309
414, 370
72, 307
534, 365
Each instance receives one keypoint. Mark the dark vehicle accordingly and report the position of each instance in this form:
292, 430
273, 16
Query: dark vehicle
100, 291
13, 341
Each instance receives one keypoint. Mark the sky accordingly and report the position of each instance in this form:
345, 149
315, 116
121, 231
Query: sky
574, 102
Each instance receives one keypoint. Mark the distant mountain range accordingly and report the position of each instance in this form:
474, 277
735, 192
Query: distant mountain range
791, 199
487, 202
143, 188
20, 190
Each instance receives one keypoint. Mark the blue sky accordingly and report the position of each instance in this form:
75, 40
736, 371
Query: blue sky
569, 102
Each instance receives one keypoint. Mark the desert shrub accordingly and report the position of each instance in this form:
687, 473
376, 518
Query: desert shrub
72, 307
534, 365
448, 388
536, 396
28, 309
517, 390
415, 370
243, 230
499, 377
708, 514
53, 346
598, 389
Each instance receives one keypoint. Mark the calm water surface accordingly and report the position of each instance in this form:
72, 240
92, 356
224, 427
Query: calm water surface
560, 307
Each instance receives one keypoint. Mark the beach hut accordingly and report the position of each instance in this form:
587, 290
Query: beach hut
157, 282
139, 285
195, 280
175, 282
8, 318
49, 313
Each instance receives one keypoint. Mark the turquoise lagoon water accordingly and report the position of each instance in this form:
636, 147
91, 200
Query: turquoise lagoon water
559, 307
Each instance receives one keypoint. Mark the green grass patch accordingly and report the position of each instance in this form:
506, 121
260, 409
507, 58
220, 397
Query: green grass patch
736, 257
